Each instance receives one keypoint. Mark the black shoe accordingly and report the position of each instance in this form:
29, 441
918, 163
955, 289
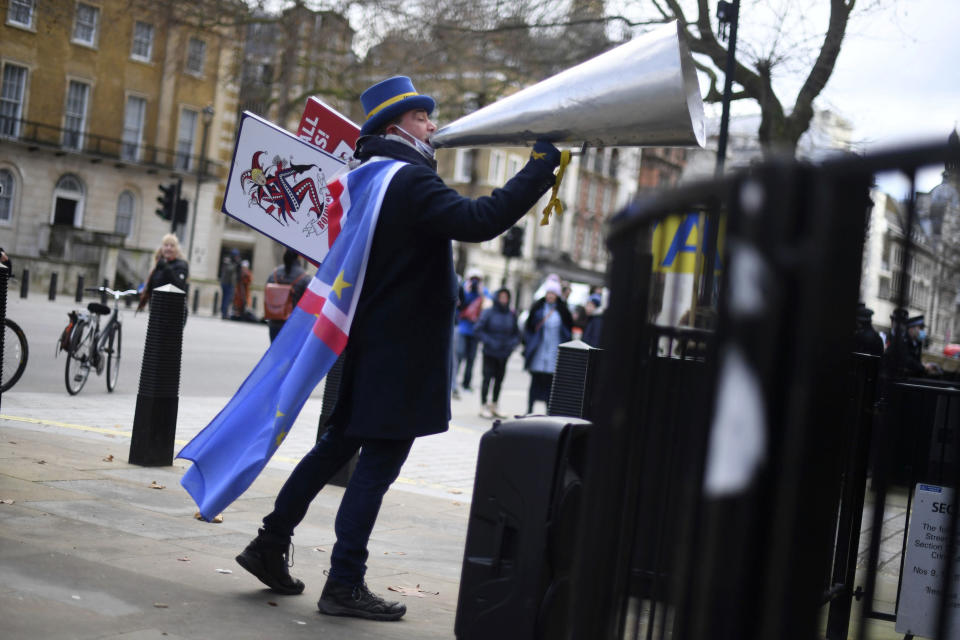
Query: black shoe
340, 599
267, 558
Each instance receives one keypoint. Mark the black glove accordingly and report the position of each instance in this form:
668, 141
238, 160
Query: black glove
545, 151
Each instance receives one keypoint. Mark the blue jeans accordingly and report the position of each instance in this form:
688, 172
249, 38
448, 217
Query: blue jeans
227, 302
377, 467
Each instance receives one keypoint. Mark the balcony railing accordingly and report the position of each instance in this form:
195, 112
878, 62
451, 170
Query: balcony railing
37, 134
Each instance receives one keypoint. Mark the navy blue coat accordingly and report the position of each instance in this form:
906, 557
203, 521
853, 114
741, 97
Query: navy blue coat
498, 331
396, 377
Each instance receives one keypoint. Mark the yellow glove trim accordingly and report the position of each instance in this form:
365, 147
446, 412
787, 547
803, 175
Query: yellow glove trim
554, 205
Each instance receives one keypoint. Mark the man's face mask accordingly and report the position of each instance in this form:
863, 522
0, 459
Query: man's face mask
425, 148
921, 335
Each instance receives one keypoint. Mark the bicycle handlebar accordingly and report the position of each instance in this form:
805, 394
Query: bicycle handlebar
111, 292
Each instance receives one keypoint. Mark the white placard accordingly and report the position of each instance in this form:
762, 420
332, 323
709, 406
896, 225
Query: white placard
923, 567
278, 186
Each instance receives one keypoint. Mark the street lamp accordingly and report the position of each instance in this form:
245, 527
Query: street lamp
201, 172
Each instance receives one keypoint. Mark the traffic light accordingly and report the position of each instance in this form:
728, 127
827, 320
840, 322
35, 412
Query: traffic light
181, 211
168, 195
512, 246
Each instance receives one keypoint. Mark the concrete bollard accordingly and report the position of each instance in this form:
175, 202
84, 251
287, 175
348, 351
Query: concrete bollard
25, 283
52, 294
78, 296
155, 416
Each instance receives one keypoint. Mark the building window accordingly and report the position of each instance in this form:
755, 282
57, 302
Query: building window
185, 136
464, 165
75, 114
85, 25
514, 165
125, 203
20, 13
497, 168
614, 162
11, 99
196, 51
142, 41
133, 127
68, 201
6, 195
598, 161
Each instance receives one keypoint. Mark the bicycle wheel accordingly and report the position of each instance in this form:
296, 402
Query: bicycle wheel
113, 358
78, 358
15, 354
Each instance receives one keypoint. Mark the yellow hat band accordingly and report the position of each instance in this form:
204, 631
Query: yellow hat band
387, 103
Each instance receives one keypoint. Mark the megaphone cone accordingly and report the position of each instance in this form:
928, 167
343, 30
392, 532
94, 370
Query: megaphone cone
642, 93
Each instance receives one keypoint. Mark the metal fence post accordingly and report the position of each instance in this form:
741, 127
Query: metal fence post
196, 300
103, 294
25, 283
216, 306
155, 417
52, 294
78, 296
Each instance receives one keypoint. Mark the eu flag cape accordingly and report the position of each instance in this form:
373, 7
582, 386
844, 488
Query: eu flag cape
232, 450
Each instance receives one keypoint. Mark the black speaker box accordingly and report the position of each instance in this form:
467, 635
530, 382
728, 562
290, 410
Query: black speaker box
523, 530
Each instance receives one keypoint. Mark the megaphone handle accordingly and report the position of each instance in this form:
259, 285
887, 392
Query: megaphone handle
554, 205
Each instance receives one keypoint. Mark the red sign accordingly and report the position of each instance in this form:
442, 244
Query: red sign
326, 128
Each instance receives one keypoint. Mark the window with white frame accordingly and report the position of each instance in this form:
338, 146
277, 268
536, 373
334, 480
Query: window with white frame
464, 165
498, 167
133, 118
12, 90
514, 164
20, 13
75, 114
196, 52
142, 48
125, 204
186, 133
86, 24
7, 186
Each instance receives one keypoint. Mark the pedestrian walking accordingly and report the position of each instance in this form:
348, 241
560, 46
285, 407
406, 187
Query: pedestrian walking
395, 381
474, 293
229, 274
593, 326
548, 324
497, 330
279, 301
169, 267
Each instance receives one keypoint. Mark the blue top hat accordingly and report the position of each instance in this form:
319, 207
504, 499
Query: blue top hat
386, 100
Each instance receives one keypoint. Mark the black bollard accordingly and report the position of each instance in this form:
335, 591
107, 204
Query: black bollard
196, 300
78, 296
25, 283
216, 306
155, 417
52, 294
254, 304
103, 294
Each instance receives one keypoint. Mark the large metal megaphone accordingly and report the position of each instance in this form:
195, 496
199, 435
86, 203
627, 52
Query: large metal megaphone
643, 93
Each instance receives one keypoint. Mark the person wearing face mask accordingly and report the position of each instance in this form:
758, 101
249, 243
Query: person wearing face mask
170, 267
395, 383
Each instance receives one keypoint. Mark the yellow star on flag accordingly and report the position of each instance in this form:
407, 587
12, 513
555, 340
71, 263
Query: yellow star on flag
339, 284
280, 437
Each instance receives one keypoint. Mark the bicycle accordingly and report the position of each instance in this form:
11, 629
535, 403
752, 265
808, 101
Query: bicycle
88, 347
15, 354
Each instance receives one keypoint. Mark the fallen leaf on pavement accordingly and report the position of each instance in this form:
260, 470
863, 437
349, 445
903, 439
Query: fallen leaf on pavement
161, 605
184, 559
320, 549
457, 504
396, 553
156, 485
109, 458
456, 491
7, 501
413, 591
224, 571
300, 622
11, 442
41, 462
272, 604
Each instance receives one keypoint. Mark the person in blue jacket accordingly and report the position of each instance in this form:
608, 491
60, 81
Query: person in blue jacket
548, 325
497, 330
395, 385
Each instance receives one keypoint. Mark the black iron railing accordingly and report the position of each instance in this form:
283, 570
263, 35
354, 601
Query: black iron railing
98, 147
736, 430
